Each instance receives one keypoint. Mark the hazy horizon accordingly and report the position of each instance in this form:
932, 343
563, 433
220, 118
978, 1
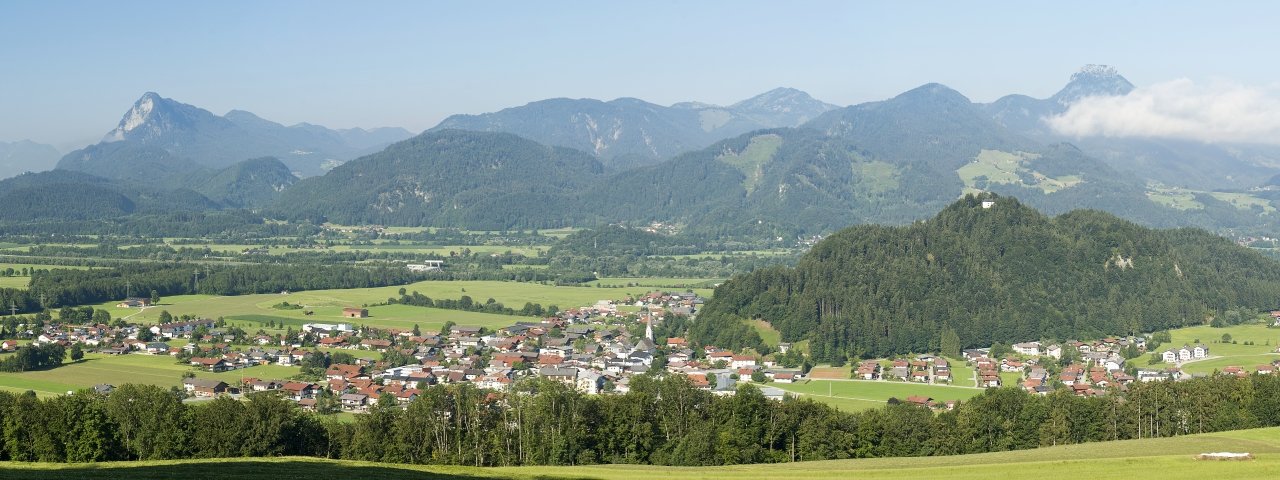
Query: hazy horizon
73, 68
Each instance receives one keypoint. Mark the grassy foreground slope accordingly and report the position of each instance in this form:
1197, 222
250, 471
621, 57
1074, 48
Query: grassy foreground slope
1173, 458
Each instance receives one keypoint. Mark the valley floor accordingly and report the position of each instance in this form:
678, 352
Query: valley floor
1169, 458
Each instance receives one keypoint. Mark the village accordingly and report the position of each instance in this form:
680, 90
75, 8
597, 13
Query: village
595, 349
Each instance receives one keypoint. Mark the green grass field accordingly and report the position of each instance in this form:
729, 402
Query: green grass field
236, 249
327, 305
94, 369
875, 177
1184, 199
1010, 168
1264, 339
697, 284
751, 160
855, 395
1244, 201
19, 266
767, 333
14, 282
1248, 362
1175, 199
1164, 458
962, 375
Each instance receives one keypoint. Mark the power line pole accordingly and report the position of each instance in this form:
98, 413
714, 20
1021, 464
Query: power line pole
128, 289
13, 308
197, 281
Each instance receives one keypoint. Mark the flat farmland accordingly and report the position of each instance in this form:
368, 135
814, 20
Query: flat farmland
327, 305
1248, 362
161, 370
1261, 348
15, 282
1173, 458
255, 311
407, 248
828, 372
863, 394
698, 284
17, 267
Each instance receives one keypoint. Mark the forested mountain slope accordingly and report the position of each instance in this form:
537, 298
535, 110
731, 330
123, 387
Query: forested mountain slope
628, 132
1006, 273
449, 178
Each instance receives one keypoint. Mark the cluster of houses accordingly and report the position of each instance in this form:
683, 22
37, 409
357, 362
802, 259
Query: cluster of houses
1185, 354
592, 349
1101, 365
923, 369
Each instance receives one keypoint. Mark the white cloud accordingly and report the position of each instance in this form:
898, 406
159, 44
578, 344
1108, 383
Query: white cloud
1217, 112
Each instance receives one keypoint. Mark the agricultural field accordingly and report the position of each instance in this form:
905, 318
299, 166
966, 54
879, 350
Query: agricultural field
326, 302
829, 372
1244, 201
1264, 342
1184, 199
407, 248
1174, 198
751, 160
17, 267
1173, 458
96, 368
14, 282
995, 166
254, 311
865, 394
657, 282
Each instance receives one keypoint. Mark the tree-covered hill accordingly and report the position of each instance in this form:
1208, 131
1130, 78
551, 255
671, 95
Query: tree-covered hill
481, 180
64, 195
1001, 274
253, 182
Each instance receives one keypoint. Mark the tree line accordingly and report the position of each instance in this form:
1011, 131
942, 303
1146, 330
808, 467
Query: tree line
34, 357
61, 287
466, 303
660, 421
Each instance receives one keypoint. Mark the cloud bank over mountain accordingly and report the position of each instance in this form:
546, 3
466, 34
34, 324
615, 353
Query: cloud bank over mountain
1216, 112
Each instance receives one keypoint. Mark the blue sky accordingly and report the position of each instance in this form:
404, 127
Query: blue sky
71, 69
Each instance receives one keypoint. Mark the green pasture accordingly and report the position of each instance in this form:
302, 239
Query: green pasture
327, 305
1174, 198
162, 370
15, 282
1244, 201
767, 333
1264, 339
751, 160
1168, 458
1010, 168
1248, 362
872, 393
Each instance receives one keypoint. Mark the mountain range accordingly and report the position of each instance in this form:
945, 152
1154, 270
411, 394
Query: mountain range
167, 137
777, 164
629, 132
892, 161
26, 156
1162, 161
